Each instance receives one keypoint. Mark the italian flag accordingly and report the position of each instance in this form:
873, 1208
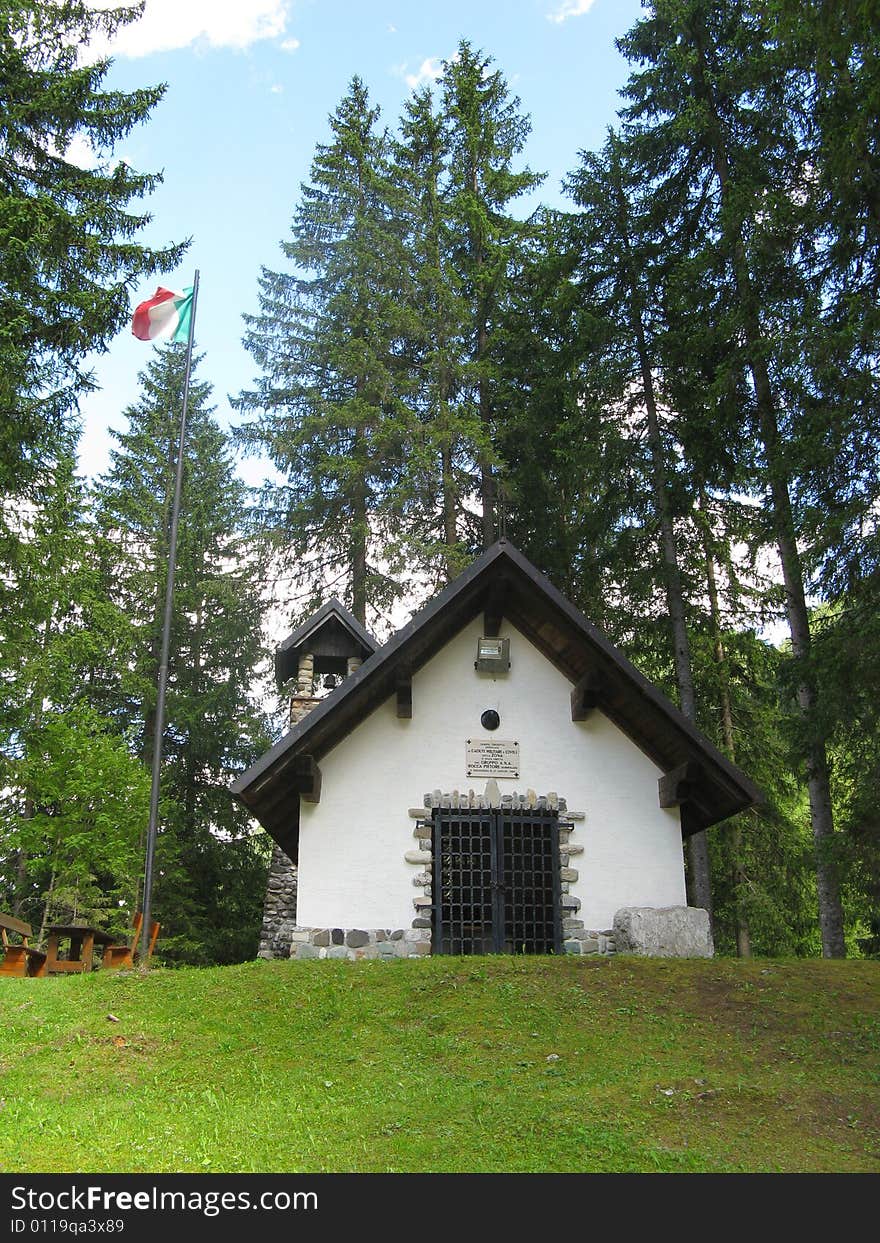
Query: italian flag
165, 315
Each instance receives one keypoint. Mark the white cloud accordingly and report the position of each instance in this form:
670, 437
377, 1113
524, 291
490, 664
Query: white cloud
170, 24
570, 8
81, 152
290, 45
429, 71
277, 89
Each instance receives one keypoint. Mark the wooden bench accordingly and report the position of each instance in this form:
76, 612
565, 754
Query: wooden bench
19, 959
124, 955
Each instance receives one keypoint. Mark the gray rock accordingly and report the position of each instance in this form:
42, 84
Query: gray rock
337, 951
663, 932
571, 947
357, 937
337, 936
421, 922
306, 951
397, 934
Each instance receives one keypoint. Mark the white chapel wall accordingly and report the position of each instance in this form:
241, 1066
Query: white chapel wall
352, 871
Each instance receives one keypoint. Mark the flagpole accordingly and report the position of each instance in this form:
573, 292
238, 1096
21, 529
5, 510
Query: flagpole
166, 643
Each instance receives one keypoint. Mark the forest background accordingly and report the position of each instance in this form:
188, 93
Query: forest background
664, 392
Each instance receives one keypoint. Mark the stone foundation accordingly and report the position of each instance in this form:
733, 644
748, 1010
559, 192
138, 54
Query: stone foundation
580, 940
279, 907
356, 943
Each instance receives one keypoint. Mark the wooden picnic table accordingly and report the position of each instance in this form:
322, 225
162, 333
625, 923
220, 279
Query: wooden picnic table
80, 952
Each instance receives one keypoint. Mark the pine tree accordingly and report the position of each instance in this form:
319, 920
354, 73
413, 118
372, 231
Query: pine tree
328, 409
214, 727
67, 249
736, 166
563, 457
73, 794
436, 339
620, 267
485, 133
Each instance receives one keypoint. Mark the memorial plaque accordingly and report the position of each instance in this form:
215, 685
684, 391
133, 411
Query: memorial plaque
492, 759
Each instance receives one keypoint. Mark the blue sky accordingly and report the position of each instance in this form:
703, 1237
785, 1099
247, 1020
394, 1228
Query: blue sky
250, 87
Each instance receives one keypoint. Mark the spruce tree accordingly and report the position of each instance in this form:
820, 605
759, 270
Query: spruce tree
485, 134
68, 253
207, 859
735, 168
620, 264
436, 342
328, 409
72, 792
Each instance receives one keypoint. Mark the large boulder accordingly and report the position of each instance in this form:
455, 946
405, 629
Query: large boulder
663, 932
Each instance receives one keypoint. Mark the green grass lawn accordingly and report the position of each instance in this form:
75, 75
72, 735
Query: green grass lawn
446, 1064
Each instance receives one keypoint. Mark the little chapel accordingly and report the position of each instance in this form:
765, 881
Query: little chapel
496, 778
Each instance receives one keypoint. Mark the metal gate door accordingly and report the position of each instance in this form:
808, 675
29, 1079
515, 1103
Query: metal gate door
496, 882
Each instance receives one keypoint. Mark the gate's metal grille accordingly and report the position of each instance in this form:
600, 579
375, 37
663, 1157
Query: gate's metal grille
531, 884
463, 855
496, 884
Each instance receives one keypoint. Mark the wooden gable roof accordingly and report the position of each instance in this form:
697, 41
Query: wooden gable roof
502, 584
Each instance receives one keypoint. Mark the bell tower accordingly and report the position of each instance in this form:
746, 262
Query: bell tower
319, 655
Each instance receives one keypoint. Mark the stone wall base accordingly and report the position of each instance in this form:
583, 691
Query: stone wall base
279, 908
580, 940
354, 943
663, 932
387, 943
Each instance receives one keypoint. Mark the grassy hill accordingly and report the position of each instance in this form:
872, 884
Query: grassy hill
526, 1064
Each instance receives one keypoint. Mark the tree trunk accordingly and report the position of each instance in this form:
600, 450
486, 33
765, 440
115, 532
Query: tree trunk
41, 939
818, 784
487, 478
359, 554
734, 832
450, 533
699, 874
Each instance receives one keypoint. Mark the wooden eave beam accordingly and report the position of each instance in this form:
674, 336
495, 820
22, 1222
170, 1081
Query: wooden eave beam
587, 694
404, 694
680, 785
306, 778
